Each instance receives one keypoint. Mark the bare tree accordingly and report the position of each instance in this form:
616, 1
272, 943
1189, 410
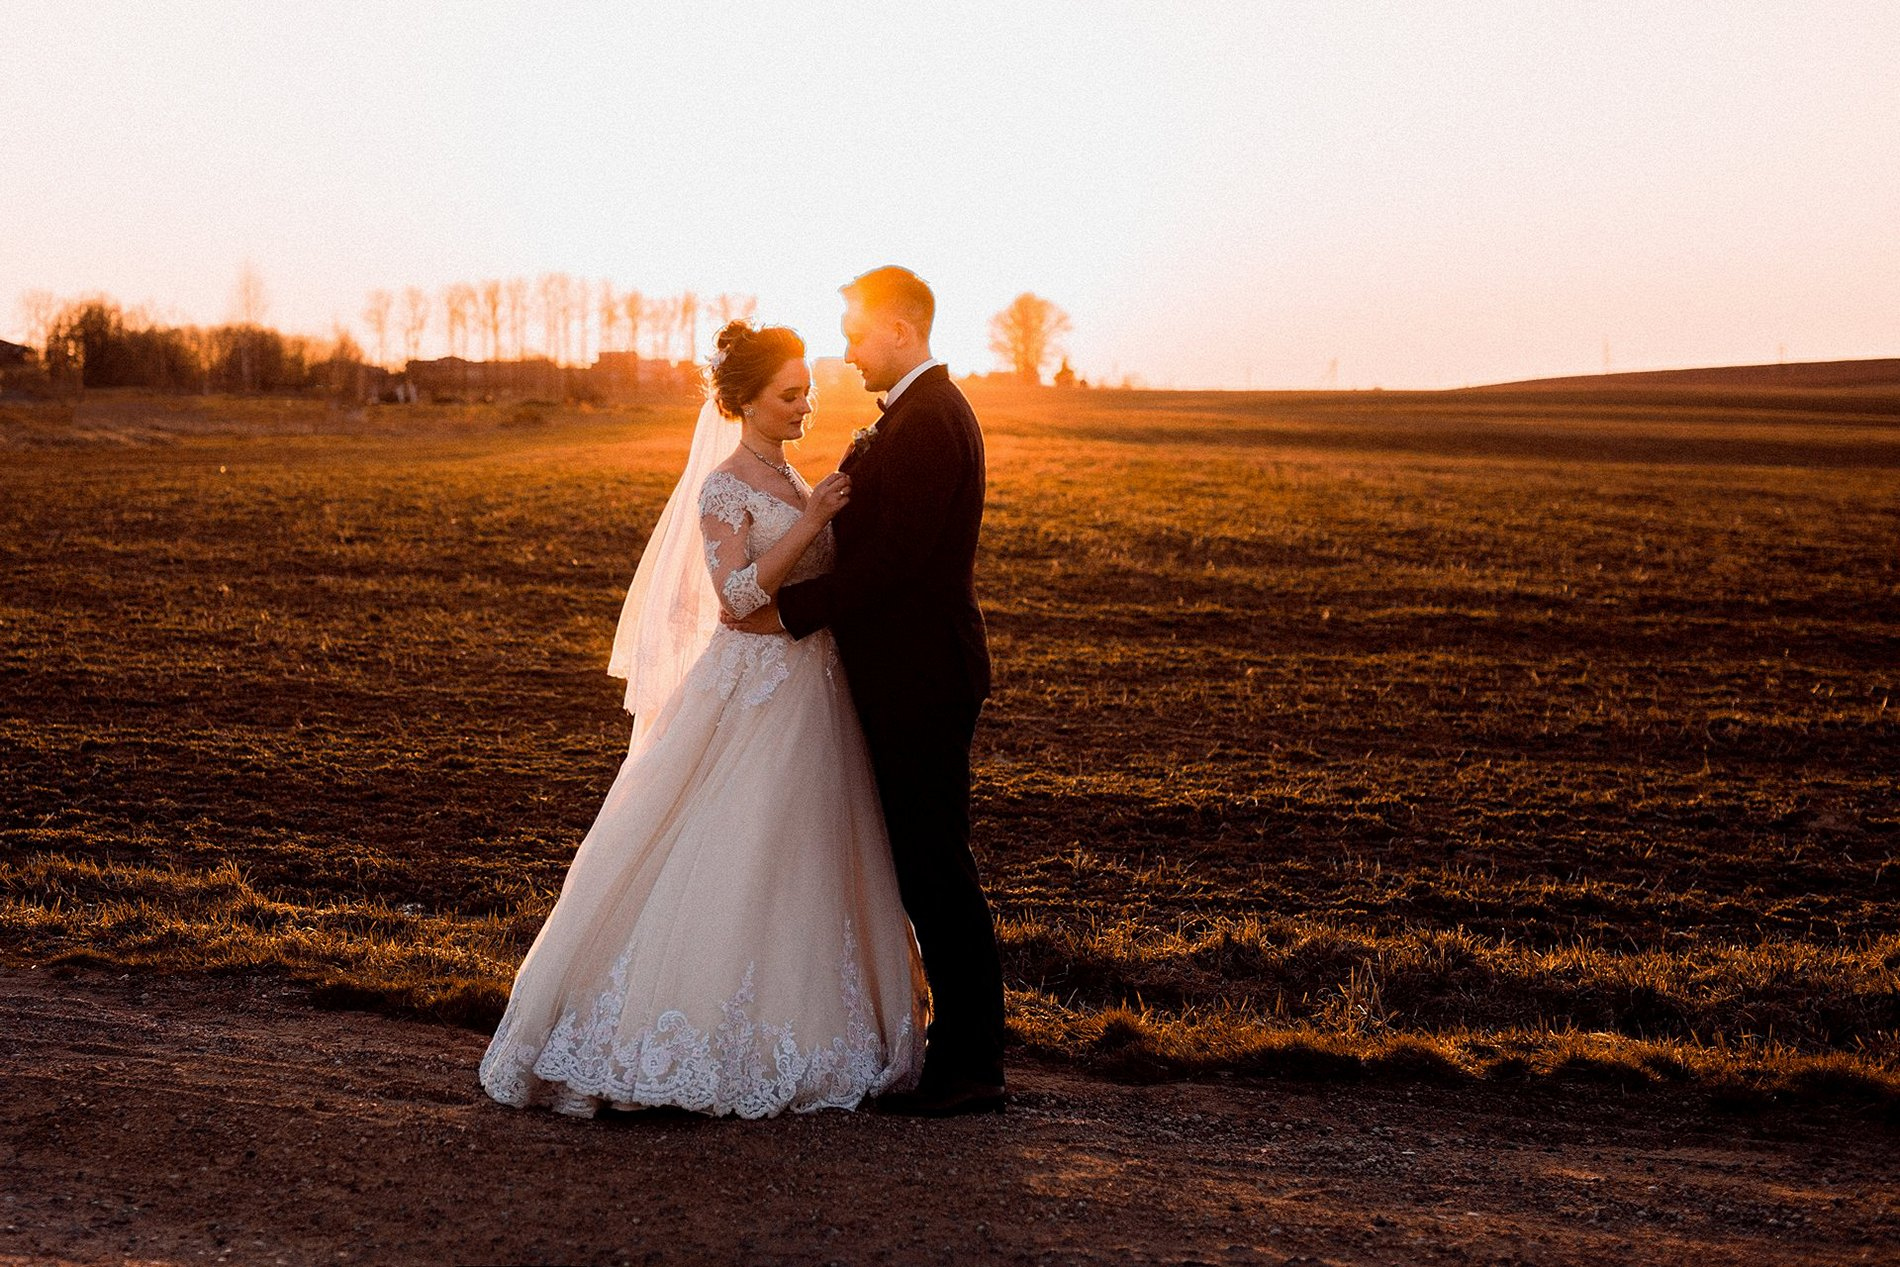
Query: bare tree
724, 308
249, 306
608, 304
580, 309
1027, 334
689, 323
490, 295
203, 345
661, 315
250, 303
551, 292
341, 365
514, 298
635, 308
415, 320
39, 311
458, 314
343, 345
376, 312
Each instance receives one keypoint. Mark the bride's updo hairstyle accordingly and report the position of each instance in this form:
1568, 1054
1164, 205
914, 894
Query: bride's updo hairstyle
745, 360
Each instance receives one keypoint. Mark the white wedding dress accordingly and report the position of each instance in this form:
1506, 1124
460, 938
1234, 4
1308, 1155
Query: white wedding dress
729, 938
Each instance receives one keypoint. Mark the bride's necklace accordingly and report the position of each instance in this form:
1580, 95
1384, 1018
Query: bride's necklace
783, 468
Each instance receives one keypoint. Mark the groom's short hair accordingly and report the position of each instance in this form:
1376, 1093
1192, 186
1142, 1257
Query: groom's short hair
896, 291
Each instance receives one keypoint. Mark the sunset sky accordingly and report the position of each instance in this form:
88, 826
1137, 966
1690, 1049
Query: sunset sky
1219, 194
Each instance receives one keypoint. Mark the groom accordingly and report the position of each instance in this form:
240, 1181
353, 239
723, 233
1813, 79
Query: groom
902, 605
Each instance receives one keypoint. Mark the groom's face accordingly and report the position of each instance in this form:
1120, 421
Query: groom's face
871, 344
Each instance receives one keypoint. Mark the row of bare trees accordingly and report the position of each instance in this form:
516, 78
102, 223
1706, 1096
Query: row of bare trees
576, 320
567, 320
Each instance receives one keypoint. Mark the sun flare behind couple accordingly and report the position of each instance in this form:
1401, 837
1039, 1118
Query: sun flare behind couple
783, 861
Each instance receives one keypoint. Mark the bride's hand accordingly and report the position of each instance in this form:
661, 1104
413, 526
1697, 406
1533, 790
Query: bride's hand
829, 497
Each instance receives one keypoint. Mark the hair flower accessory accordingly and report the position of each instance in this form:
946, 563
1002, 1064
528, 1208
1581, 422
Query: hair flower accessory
717, 359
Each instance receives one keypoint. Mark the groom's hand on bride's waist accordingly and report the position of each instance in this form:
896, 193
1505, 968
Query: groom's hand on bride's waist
763, 621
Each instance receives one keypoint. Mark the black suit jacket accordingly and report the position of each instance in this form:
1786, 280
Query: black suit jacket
902, 599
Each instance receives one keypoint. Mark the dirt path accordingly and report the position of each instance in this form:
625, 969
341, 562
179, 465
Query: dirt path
157, 1121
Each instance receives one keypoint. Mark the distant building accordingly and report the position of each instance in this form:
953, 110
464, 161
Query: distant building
356, 382
624, 375
454, 378
1065, 377
22, 372
614, 377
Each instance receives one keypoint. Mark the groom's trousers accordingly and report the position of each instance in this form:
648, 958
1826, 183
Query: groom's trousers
923, 777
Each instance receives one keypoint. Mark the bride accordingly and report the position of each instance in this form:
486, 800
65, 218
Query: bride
729, 938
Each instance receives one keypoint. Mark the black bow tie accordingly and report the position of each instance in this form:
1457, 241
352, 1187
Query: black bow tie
881, 406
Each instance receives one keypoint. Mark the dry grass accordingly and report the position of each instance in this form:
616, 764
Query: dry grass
1428, 736
351, 951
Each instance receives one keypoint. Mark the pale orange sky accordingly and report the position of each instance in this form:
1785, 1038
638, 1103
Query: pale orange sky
1219, 194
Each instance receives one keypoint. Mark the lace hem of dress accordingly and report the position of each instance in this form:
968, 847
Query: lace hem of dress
744, 1066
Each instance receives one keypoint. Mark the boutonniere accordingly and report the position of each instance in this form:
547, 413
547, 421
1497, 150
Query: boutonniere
862, 437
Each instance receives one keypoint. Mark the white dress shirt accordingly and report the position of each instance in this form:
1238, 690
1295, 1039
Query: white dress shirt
890, 397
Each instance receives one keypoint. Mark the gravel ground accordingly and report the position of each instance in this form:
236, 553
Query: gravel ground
161, 1120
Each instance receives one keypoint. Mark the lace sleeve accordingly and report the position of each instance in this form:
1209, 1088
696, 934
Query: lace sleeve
723, 518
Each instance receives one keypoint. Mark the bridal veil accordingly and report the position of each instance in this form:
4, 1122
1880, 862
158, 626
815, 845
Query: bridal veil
672, 610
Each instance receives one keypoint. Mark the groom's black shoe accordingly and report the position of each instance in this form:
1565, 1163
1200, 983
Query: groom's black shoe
948, 1098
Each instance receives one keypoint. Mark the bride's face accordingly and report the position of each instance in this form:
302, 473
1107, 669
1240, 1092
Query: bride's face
778, 412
